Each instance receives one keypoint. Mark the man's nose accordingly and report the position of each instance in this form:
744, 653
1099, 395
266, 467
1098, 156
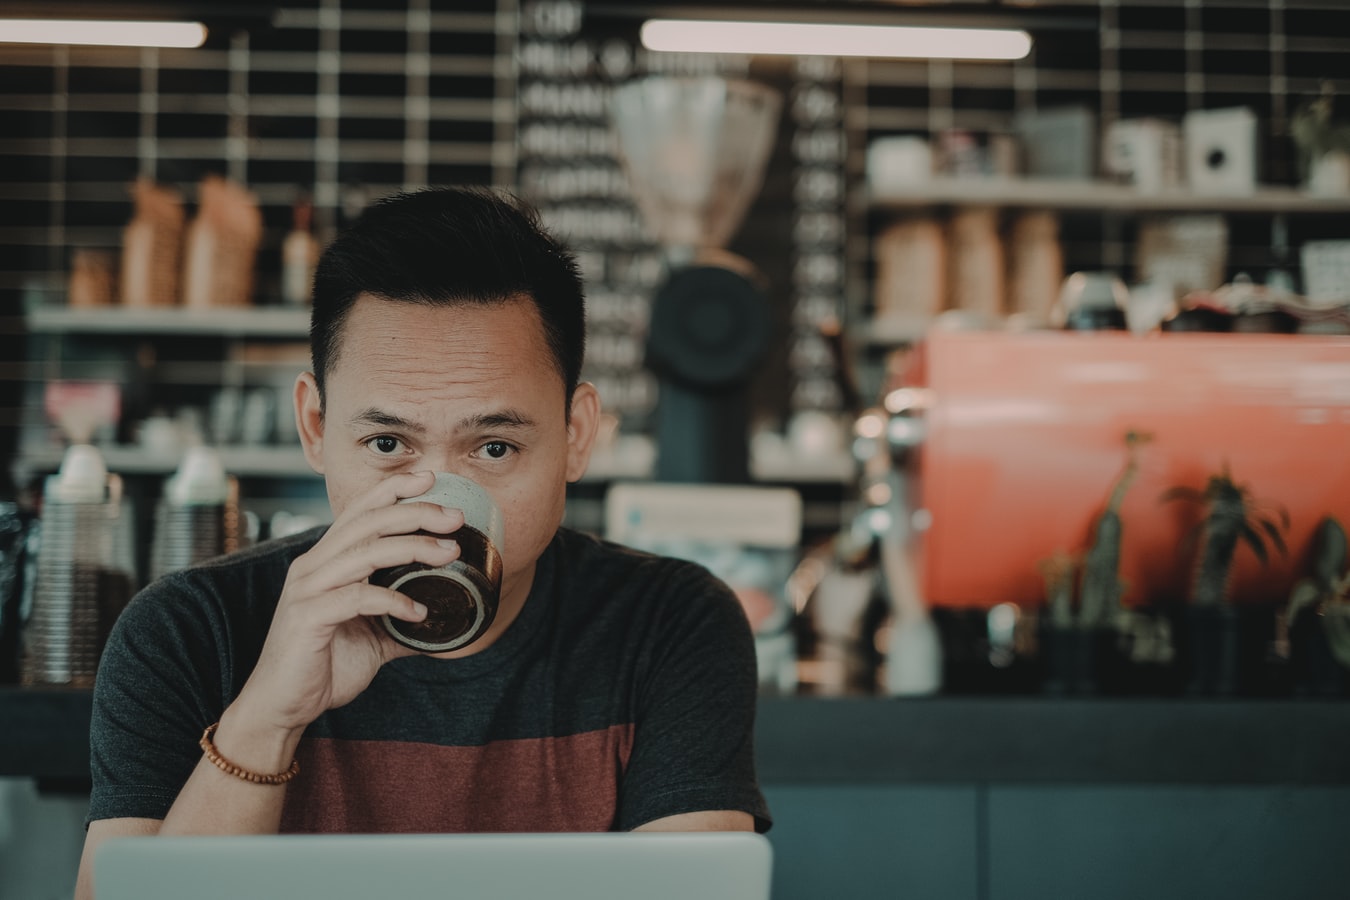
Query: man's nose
451, 460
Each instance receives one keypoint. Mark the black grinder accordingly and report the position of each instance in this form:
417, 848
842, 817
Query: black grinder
695, 150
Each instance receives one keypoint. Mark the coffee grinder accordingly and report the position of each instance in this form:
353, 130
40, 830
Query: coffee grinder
695, 150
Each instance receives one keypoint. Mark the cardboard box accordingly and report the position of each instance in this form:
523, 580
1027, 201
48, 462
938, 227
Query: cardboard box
1221, 151
1058, 143
1145, 153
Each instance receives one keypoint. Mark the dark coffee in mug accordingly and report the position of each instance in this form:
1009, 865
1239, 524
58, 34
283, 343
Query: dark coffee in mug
461, 598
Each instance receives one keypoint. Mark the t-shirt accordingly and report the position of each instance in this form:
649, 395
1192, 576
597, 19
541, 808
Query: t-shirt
623, 692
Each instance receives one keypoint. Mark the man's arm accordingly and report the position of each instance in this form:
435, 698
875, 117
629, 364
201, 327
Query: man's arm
99, 832
321, 651
211, 801
708, 820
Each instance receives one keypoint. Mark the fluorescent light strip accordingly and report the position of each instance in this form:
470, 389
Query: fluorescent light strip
802, 39
102, 32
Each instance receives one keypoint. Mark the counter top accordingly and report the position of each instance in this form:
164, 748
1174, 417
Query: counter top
45, 732
1043, 740
954, 740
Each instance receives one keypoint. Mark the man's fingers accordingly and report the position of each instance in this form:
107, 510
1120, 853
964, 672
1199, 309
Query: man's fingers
353, 534
404, 518
319, 614
393, 489
371, 600
357, 564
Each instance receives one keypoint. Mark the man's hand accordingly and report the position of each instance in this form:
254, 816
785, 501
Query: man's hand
322, 650
324, 645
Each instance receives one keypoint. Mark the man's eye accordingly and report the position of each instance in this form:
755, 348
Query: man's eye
384, 445
496, 449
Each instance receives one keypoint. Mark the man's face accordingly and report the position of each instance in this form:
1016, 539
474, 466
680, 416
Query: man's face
471, 390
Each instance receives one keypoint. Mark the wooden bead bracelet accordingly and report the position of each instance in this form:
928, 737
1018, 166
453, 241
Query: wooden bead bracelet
229, 768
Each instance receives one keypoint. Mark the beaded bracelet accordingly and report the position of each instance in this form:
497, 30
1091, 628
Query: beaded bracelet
229, 768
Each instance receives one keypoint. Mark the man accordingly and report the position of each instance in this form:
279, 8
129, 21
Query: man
614, 690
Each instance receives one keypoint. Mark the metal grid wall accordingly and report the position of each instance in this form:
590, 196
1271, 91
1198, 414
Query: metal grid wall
349, 99
335, 101
1132, 59
340, 101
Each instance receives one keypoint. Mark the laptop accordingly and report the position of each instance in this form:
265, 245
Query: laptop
651, 866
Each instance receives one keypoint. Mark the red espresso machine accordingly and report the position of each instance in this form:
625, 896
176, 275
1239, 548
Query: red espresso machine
1024, 439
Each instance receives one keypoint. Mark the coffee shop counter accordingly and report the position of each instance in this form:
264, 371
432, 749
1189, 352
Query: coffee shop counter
983, 797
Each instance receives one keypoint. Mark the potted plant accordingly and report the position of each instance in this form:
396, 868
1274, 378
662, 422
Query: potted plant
1231, 517
1323, 144
1317, 620
1067, 668
1079, 643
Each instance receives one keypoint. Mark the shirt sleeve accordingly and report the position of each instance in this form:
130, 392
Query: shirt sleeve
153, 697
693, 742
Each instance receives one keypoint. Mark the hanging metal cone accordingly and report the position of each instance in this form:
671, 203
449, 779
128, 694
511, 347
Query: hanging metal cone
695, 150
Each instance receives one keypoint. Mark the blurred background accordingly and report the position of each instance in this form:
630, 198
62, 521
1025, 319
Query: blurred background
1011, 393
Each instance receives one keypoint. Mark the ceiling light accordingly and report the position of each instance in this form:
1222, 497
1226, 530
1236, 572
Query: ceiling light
102, 32
803, 39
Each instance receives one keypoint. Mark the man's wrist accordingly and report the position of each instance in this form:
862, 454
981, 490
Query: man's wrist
254, 744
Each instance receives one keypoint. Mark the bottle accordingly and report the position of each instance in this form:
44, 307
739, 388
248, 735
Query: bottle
975, 263
299, 255
911, 281
1035, 266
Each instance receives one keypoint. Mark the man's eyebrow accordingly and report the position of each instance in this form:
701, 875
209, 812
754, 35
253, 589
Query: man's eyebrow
382, 419
506, 418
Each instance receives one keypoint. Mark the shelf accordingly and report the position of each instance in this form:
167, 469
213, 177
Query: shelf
1089, 195
892, 331
260, 322
833, 468
245, 462
634, 461
940, 740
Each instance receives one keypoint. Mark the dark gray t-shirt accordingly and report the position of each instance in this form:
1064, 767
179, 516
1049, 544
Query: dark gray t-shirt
623, 692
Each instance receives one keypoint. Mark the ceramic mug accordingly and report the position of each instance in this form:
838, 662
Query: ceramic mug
461, 598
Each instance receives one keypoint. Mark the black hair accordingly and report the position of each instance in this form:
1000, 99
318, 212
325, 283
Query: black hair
451, 246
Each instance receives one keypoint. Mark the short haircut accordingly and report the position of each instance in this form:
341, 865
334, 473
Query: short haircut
449, 247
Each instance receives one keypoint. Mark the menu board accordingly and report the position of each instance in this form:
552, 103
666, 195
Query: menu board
567, 66
819, 153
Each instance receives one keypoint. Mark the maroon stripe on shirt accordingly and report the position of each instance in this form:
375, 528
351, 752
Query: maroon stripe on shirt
538, 784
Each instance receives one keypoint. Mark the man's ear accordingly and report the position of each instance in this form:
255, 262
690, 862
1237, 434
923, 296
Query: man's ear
581, 430
309, 419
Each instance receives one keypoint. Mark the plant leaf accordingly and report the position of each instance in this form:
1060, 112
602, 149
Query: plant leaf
1304, 596
1254, 541
1329, 551
1275, 537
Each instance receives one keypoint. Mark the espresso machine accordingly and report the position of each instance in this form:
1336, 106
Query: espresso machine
695, 151
1024, 438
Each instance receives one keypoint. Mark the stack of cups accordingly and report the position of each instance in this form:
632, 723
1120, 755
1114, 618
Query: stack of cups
84, 576
198, 516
